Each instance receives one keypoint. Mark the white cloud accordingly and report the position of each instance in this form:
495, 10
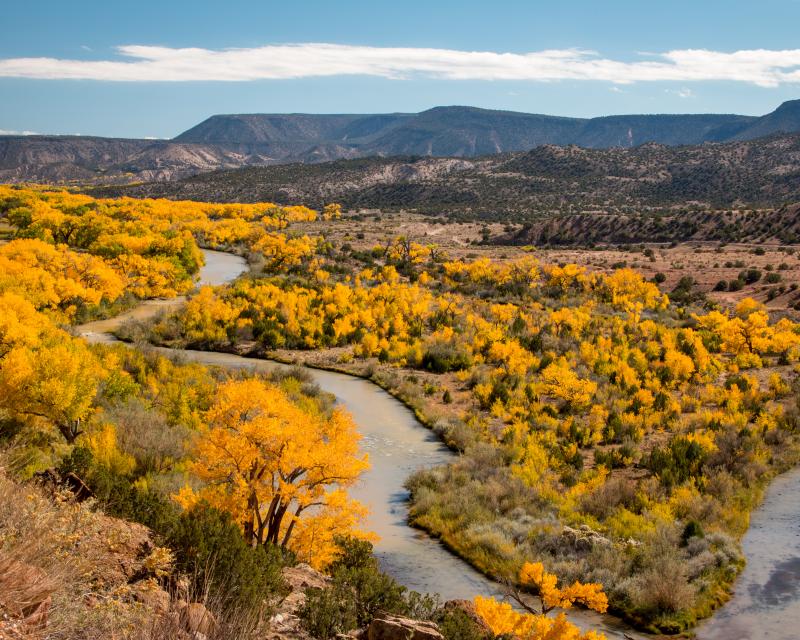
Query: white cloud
138, 63
683, 92
7, 132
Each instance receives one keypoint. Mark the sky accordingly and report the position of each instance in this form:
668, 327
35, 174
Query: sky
154, 69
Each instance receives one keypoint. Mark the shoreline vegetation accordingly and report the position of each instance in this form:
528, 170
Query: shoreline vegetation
661, 460
425, 414
612, 438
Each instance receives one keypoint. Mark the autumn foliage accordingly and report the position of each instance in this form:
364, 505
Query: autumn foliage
280, 469
532, 625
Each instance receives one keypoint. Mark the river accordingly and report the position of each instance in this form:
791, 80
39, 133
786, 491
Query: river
398, 445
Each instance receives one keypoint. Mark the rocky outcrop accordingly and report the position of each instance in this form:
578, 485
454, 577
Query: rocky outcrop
583, 538
285, 623
467, 607
389, 627
25, 593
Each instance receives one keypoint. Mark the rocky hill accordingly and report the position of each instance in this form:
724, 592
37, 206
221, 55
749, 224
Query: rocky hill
548, 180
82, 159
235, 141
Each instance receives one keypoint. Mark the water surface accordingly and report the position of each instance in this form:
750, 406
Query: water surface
766, 599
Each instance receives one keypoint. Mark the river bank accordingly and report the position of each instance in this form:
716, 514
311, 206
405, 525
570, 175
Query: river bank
398, 447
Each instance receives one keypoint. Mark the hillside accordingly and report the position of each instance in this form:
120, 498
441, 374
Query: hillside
86, 159
242, 140
531, 186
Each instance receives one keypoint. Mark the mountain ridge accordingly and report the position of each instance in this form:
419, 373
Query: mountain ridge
548, 179
244, 140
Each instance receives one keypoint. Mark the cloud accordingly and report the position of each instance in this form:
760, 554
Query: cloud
7, 132
139, 63
683, 92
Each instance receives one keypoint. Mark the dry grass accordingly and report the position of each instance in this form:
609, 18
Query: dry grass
66, 565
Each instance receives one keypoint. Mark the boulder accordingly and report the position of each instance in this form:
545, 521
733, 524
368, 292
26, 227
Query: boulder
303, 577
153, 597
285, 623
467, 607
299, 579
389, 627
196, 619
584, 538
25, 592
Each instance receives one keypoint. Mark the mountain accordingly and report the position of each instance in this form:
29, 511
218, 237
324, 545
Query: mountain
84, 159
454, 131
234, 141
546, 181
295, 128
785, 119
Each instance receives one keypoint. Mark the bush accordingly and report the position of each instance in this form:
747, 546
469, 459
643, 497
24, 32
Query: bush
750, 276
210, 548
677, 462
455, 624
441, 357
359, 590
329, 612
735, 285
693, 529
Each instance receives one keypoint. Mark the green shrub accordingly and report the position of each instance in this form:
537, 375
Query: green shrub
372, 589
457, 625
680, 460
441, 357
750, 276
358, 591
210, 548
329, 612
735, 285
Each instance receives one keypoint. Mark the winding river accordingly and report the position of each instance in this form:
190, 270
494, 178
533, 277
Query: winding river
767, 595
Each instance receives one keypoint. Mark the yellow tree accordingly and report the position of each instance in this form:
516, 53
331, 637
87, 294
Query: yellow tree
533, 623
44, 372
332, 211
279, 468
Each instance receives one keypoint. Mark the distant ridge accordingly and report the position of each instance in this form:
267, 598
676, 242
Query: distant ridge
243, 140
547, 180
470, 131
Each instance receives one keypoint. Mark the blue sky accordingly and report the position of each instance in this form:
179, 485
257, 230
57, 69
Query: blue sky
62, 70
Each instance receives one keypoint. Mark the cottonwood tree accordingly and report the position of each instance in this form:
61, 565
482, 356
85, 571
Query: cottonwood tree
280, 469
